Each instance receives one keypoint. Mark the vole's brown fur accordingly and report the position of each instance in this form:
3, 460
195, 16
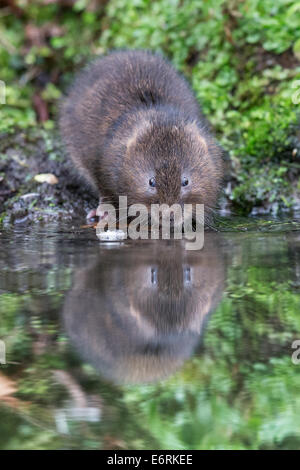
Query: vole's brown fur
131, 117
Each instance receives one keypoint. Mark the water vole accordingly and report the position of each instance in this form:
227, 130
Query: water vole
134, 128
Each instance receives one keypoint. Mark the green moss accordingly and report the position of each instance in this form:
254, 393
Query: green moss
242, 59
238, 77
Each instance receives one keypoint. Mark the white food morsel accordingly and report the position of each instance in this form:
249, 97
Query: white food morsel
111, 235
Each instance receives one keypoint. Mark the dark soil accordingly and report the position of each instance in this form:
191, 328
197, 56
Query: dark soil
22, 199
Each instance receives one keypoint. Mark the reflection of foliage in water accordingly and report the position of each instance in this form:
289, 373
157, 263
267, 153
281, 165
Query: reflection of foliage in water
241, 391
244, 392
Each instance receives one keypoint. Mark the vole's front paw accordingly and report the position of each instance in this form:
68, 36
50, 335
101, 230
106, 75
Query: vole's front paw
101, 213
95, 215
92, 216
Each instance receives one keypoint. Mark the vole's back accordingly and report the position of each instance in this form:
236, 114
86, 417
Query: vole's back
111, 86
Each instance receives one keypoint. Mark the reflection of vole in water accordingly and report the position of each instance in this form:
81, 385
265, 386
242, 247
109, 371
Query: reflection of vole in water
136, 316
133, 127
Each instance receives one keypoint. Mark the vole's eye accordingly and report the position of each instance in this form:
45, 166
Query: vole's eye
184, 181
152, 182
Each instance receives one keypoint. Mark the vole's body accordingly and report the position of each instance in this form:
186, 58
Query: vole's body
133, 127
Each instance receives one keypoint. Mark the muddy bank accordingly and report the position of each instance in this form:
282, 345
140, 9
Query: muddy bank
29, 157
24, 160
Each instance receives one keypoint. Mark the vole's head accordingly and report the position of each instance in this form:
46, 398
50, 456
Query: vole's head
171, 162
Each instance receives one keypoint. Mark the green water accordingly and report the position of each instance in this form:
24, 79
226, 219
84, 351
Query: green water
144, 345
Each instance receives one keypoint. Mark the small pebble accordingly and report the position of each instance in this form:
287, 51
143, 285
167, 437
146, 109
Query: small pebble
46, 178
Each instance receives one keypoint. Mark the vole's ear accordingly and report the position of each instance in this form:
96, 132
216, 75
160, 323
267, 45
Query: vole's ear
193, 129
138, 131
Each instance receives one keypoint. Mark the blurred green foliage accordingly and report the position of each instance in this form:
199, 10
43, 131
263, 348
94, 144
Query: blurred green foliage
242, 58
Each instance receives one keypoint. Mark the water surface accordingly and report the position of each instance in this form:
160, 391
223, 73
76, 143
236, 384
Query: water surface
144, 345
